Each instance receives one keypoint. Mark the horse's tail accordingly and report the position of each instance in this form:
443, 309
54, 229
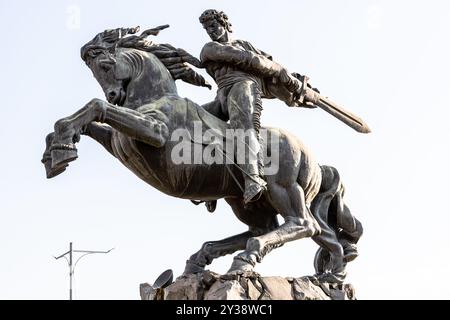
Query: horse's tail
340, 229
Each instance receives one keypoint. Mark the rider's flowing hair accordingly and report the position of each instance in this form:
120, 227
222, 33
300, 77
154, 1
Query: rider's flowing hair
176, 60
218, 16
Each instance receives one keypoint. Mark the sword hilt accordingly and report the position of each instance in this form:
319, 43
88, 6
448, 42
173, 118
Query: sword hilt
303, 94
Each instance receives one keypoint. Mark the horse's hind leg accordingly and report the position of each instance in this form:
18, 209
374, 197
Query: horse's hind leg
350, 228
331, 214
259, 219
290, 203
214, 249
329, 261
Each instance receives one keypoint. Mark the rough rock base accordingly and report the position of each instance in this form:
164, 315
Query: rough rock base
246, 286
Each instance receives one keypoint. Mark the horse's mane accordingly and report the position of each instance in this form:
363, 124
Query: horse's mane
176, 60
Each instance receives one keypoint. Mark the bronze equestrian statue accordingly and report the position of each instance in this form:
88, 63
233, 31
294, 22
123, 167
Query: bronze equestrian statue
143, 113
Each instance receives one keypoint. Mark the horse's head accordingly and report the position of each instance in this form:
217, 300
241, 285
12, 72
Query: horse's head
132, 70
128, 76
112, 76
99, 57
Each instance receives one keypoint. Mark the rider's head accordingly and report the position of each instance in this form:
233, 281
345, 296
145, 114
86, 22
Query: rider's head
216, 25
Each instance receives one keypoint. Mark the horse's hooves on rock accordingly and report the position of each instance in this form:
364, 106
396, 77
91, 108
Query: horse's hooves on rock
60, 158
240, 266
164, 280
192, 268
330, 278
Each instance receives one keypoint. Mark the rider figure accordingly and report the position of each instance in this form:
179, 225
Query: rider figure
243, 75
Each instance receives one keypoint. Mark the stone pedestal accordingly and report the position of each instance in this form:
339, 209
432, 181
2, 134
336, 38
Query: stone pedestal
246, 286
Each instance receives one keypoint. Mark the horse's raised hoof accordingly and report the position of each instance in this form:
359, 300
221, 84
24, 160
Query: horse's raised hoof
53, 172
49, 171
164, 280
62, 154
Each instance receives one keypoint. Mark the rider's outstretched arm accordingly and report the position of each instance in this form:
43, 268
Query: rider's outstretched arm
246, 60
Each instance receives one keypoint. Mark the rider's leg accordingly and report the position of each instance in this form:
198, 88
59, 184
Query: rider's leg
240, 102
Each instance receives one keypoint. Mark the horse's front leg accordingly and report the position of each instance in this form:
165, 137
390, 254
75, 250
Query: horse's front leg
129, 122
47, 158
102, 133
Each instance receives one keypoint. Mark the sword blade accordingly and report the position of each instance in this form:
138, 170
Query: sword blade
340, 113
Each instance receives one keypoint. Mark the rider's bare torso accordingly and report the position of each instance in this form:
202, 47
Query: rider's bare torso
220, 65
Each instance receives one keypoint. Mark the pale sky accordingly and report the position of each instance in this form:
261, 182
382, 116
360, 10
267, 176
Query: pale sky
386, 61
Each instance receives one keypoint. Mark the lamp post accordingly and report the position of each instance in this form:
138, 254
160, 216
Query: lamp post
72, 265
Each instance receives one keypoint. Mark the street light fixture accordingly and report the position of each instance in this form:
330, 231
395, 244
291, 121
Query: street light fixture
72, 265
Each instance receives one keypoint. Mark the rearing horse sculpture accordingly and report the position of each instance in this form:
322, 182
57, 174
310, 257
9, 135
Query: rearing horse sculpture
135, 126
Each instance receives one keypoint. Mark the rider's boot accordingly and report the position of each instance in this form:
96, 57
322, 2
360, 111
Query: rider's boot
254, 184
